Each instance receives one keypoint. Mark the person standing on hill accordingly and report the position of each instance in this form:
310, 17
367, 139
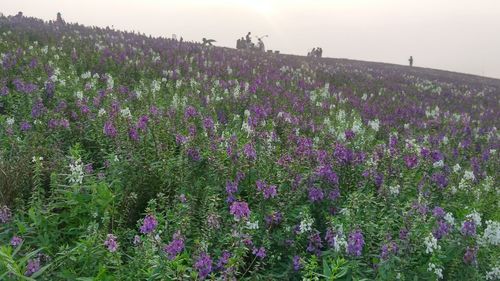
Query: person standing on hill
59, 18
261, 46
248, 38
411, 61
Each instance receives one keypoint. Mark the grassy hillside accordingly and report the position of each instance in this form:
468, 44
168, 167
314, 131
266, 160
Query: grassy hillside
128, 157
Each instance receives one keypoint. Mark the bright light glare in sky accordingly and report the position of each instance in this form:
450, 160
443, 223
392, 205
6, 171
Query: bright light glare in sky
455, 35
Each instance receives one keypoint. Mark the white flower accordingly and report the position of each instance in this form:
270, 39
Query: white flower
339, 242
491, 234
431, 244
374, 124
476, 217
126, 113
10, 121
356, 126
101, 112
493, 274
76, 169
469, 175
438, 164
79, 95
449, 219
457, 168
252, 225
110, 83
306, 224
437, 270
245, 127
36, 159
86, 75
488, 183
155, 86
394, 190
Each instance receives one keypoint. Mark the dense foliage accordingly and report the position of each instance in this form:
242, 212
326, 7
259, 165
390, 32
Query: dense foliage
127, 157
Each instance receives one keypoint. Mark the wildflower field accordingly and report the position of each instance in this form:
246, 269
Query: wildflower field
129, 157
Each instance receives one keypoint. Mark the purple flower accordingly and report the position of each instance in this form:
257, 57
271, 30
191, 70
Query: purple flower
403, 234
111, 243
175, 247
315, 243
38, 109
349, 134
64, 123
149, 224
411, 161
297, 265
388, 249
259, 252
190, 112
249, 152
270, 192
334, 194
193, 154
203, 265
109, 129
32, 267
89, 169
442, 229
330, 237
5, 214
25, 126
470, 256
326, 172
355, 243
379, 179
468, 228
142, 123
180, 139
273, 219
50, 88
16, 241
133, 134
231, 187
438, 212
315, 194
239, 210
208, 124
223, 260
440, 180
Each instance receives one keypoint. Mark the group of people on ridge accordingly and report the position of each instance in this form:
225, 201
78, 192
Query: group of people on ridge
315, 53
245, 43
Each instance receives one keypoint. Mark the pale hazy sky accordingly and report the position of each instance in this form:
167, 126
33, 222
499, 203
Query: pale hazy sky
456, 35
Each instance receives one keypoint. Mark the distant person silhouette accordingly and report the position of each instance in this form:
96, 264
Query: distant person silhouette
59, 18
411, 61
208, 42
313, 52
248, 38
261, 46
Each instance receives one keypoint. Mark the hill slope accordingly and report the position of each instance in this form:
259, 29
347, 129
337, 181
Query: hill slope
127, 157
